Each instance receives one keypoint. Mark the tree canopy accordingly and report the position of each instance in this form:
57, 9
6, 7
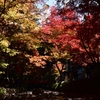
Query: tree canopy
75, 29
71, 32
18, 28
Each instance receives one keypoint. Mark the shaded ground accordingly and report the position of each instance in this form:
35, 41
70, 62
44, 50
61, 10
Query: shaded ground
83, 89
87, 86
40, 94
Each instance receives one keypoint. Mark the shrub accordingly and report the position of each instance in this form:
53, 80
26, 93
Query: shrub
2, 92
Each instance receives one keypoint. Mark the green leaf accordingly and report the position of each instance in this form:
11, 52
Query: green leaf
3, 65
13, 52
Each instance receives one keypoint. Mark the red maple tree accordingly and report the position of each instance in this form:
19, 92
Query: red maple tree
70, 33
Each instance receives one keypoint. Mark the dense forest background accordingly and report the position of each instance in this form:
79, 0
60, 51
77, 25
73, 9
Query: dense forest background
63, 47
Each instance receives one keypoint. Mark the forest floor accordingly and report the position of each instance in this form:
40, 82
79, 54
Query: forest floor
83, 89
41, 94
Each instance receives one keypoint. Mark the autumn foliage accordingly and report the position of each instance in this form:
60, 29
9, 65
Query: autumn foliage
70, 33
76, 34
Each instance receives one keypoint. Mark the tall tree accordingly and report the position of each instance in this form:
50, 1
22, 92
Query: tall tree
58, 30
77, 30
18, 31
87, 29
